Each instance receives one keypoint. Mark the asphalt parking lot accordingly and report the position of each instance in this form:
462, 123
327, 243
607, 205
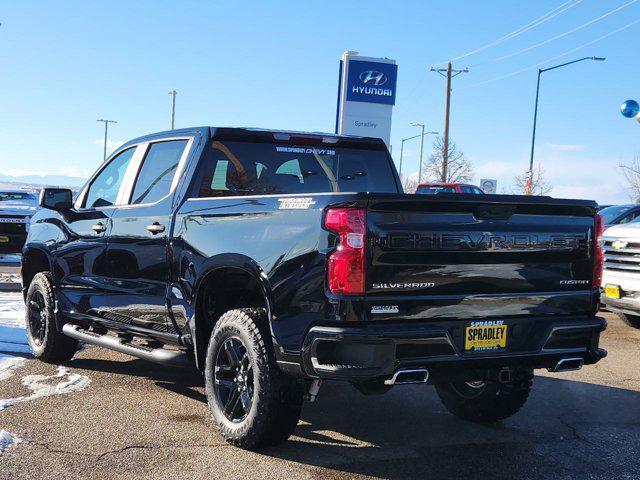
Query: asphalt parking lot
106, 415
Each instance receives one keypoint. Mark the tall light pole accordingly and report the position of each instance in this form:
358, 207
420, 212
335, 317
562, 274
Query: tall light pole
421, 148
106, 128
527, 187
411, 138
173, 94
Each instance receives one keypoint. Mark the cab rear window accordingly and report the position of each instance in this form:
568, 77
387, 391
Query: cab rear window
231, 168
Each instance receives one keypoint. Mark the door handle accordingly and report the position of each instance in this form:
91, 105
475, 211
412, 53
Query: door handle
155, 227
99, 227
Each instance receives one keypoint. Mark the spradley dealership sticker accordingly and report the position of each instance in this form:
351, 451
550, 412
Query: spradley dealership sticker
317, 151
296, 203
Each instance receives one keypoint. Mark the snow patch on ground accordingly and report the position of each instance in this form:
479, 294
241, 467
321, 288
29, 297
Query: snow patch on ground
7, 439
8, 364
11, 310
62, 382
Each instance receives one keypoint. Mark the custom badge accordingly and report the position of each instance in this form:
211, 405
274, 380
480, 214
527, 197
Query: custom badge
296, 203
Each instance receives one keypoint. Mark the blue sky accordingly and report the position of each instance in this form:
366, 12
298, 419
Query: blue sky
275, 64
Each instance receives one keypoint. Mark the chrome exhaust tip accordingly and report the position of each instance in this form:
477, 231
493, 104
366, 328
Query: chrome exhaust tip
408, 376
568, 364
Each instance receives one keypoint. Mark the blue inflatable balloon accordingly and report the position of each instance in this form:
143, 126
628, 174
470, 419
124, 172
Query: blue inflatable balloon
630, 108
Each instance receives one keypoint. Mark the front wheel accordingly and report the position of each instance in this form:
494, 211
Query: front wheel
486, 402
253, 404
46, 342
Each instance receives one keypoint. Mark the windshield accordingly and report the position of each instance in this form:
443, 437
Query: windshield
16, 196
248, 168
434, 189
609, 214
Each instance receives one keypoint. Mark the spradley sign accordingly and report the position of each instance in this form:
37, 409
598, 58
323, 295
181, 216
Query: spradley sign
366, 95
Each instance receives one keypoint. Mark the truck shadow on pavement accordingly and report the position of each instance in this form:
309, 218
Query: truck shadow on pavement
567, 429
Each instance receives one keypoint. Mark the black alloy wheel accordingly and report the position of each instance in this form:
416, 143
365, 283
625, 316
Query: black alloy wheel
233, 382
37, 317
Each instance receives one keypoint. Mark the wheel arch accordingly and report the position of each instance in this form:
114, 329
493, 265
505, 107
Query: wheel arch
228, 281
35, 259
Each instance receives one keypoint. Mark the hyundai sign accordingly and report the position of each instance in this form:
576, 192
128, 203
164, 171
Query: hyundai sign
372, 82
367, 93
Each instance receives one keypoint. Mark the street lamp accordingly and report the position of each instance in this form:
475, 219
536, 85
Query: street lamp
411, 138
535, 115
421, 148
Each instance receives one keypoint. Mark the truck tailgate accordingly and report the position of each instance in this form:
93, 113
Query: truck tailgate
466, 256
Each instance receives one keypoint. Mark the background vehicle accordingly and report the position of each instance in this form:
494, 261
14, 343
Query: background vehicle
435, 188
619, 214
255, 255
621, 277
16, 209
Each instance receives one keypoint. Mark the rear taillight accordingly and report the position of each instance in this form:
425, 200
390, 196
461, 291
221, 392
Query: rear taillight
346, 263
598, 257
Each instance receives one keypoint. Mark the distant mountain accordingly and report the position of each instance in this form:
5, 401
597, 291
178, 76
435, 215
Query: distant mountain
44, 180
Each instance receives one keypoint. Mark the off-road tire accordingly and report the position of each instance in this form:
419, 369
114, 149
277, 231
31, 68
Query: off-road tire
51, 345
277, 398
493, 402
631, 320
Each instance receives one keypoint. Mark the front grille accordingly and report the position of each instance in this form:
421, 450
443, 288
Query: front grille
12, 228
621, 255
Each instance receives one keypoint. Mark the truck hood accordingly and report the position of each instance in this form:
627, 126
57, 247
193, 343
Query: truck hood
627, 230
6, 208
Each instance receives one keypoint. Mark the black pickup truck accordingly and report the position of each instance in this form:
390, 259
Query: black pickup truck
274, 260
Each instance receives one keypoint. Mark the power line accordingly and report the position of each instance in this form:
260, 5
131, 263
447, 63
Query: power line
536, 65
534, 23
568, 32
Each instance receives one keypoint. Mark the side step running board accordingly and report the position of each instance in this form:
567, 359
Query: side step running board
157, 355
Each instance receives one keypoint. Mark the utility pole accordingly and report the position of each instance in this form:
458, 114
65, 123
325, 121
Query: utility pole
106, 127
448, 73
173, 93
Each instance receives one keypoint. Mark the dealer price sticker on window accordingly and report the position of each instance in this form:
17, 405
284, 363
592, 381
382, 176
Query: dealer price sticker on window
484, 336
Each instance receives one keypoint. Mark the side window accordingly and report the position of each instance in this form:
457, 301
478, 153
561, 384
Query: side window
224, 175
629, 217
478, 191
157, 171
103, 190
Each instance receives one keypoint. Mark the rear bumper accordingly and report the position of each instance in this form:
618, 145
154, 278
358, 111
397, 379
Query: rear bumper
365, 352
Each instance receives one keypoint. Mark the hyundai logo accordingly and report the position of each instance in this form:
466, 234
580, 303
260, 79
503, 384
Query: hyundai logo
371, 77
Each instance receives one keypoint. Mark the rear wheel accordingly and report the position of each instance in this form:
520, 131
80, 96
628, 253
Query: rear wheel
252, 402
46, 342
486, 402
631, 320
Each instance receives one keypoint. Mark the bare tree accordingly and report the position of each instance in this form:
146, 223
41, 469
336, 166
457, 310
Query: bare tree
631, 172
459, 168
409, 184
539, 183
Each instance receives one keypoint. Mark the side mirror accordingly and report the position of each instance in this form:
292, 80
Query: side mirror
56, 198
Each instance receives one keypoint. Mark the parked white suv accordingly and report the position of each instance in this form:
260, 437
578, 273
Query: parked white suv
621, 277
